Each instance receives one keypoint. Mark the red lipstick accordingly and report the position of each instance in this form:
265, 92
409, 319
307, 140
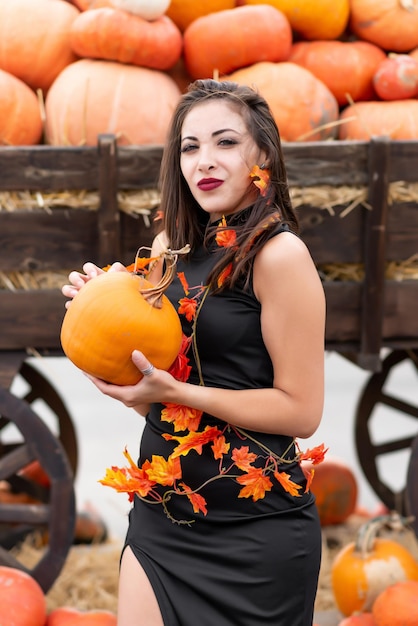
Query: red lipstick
207, 184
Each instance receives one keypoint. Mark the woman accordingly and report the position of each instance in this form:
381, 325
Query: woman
234, 538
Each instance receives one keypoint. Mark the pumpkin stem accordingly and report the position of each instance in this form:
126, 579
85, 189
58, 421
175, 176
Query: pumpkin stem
369, 531
154, 295
408, 5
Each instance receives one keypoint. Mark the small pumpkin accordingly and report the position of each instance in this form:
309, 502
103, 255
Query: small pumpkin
35, 40
397, 119
115, 314
321, 19
303, 107
22, 601
367, 566
184, 12
347, 68
116, 35
67, 616
94, 96
228, 40
397, 605
396, 77
20, 120
390, 24
335, 489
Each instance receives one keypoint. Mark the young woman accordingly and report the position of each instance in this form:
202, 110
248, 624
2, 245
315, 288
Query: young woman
225, 531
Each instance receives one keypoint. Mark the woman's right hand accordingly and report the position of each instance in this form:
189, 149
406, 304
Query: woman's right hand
77, 280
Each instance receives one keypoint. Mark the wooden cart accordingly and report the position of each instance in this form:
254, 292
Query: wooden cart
372, 320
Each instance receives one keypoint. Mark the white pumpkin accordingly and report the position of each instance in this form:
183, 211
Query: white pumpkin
148, 9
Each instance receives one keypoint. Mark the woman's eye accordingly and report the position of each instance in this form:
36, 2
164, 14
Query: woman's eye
188, 148
227, 142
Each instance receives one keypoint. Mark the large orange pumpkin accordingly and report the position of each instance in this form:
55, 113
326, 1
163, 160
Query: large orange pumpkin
228, 40
390, 24
109, 318
93, 96
20, 119
397, 605
116, 35
335, 488
35, 39
366, 567
347, 68
313, 19
67, 616
303, 107
397, 119
22, 601
184, 12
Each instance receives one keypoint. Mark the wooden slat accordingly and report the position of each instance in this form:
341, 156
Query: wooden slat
108, 218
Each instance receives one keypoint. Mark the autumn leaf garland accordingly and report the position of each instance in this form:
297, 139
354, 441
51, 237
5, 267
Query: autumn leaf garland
159, 479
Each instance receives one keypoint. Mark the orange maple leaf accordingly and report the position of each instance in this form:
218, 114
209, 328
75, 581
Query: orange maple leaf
188, 308
192, 441
225, 237
261, 178
124, 480
164, 471
181, 369
288, 485
256, 484
309, 478
183, 280
220, 447
316, 455
198, 501
183, 417
226, 272
243, 458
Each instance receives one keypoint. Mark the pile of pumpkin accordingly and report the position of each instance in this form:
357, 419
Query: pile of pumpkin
330, 69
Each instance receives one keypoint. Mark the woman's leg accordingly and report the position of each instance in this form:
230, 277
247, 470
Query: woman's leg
137, 604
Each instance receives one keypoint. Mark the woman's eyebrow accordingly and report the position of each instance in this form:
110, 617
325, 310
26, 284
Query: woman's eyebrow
214, 134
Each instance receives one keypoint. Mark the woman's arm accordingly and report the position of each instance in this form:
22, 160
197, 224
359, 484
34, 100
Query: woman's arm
293, 320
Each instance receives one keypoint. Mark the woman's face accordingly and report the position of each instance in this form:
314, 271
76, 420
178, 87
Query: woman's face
217, 155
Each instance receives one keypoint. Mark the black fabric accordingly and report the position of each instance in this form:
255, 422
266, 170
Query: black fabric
245, 563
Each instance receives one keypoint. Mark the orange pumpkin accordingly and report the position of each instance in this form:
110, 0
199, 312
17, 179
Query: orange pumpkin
335, 488
397, 605
321, 19
228, 40
35, 39
184, 12
390, 24
347, 68
396, 78
116, 35
303, 107
110, 317
397, 119
366, 567
22, 601
20, 120
92, 96
67, 616
358, 619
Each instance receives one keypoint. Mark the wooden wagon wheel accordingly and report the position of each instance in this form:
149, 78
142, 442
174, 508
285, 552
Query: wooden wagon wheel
374, 396
41, 389
53, 510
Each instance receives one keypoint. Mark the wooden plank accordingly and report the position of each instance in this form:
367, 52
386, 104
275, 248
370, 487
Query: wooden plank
375, 255
108, 218
326, 163
31, 319
47, 168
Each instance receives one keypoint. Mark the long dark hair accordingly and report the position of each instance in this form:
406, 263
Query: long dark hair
184, 221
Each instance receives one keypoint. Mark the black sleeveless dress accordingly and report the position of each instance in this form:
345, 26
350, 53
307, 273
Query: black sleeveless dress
249, 560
